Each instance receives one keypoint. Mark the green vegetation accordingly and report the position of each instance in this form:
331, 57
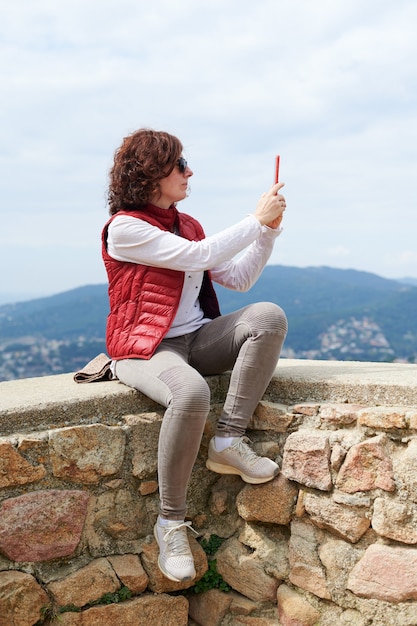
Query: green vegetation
121, 595
47, 612
211, 579
69, 608
211, 545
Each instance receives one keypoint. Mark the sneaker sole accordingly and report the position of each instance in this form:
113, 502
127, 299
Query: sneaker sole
229, 469
164, 571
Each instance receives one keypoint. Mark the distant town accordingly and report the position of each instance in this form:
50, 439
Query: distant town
33, 356
347, 340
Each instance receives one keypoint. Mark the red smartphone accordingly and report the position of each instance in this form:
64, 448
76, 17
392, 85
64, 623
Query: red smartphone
277, 160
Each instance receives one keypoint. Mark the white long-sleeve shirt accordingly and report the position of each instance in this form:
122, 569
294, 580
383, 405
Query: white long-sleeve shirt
135, 241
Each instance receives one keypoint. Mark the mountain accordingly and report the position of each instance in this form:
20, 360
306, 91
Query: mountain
52, 335
332, 314
315, 298
80, 311
5, 298
407, 280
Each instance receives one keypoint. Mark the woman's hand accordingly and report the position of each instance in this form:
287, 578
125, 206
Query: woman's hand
275, 223
271, 205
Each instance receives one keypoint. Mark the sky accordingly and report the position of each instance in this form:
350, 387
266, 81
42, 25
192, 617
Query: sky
330, 85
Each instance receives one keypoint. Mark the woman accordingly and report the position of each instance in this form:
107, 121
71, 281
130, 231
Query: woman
165, 331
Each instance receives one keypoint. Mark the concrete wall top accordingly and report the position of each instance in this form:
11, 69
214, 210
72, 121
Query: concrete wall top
56, 401
371, 384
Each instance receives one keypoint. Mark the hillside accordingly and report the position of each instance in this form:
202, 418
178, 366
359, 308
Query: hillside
321, 301
332, 313
81, 311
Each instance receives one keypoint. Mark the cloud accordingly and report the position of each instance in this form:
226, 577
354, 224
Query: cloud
330, 85
339, 251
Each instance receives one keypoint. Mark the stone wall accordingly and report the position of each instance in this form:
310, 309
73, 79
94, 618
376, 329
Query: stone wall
332, 540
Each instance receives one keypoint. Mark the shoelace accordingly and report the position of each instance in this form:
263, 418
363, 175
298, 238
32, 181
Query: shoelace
177, 543
246, 452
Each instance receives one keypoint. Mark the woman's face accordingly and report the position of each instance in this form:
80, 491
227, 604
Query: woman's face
173, 188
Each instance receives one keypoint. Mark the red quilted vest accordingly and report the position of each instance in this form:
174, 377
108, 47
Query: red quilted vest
145, 299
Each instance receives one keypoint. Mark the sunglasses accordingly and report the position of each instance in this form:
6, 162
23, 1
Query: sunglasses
182, 164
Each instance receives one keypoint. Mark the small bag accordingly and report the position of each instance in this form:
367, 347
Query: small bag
96, 370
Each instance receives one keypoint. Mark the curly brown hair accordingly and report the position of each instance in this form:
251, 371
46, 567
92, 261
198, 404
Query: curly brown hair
144, 158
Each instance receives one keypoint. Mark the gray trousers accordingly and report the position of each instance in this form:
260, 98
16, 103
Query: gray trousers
249, 343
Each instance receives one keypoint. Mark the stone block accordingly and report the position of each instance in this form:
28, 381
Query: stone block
338, 557
294, 609
306, 570
144, 435
387, 573
338, 519
357, 499
306, 459
411, 417
129, 570
210, 607
241, 605
337, 457
85, 454
244, 572
395, 520
119, 515
147, 487
272, 502
339, 415
148, 609
383, 418
306, 408
42, 525
367, 466
199, 488
223, 496
15, 469
270, 546
86, 585
405, 468
71, 618
21, 599
34, 446
271, 416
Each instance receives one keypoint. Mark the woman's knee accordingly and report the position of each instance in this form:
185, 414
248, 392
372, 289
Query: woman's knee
267, 317
189, 390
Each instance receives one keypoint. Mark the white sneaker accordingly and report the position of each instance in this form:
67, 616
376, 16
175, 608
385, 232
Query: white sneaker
240, 459
175, 557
